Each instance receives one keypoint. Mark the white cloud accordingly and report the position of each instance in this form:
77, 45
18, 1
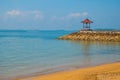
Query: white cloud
13, 13
73, 15
77, 15
57, 18
70, 16
35, 14
85, 14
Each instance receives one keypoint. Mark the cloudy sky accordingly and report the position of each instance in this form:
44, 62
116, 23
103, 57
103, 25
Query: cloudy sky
58, 14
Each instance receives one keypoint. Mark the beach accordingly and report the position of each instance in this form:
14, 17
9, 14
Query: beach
100, 72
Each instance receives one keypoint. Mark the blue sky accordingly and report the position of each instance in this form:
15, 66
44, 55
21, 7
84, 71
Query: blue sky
59, 14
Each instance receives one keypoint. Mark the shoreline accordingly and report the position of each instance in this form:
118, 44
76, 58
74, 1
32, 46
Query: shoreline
93, 36
109, 71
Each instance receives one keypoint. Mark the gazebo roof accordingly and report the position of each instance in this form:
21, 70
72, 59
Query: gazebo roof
87, 21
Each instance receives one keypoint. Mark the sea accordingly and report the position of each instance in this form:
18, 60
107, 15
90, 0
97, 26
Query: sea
25, 53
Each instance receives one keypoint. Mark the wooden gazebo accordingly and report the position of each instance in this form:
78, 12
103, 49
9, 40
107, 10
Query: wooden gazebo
86, 24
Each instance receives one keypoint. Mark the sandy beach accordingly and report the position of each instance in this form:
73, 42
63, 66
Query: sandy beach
101, 72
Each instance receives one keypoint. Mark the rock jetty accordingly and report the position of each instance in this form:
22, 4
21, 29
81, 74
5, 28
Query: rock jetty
93, 36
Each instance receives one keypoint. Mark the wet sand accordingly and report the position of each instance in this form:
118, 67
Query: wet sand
101, 72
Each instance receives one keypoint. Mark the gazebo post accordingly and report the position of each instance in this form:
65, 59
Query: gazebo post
89, 25
83, 25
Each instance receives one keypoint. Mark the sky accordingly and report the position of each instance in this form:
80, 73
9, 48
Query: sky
58, 14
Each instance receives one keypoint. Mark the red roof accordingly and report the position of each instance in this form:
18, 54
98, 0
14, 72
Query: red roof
86, 21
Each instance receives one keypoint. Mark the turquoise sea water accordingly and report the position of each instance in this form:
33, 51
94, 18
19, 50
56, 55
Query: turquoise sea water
32, 52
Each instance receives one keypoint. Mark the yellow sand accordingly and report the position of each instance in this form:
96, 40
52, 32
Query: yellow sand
102, 72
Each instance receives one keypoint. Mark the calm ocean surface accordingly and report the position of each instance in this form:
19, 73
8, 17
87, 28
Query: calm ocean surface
25, 53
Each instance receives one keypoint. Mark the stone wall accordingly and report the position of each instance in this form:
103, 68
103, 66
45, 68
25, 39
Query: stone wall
93, 36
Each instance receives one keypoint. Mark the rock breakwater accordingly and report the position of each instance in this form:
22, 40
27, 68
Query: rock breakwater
93, 36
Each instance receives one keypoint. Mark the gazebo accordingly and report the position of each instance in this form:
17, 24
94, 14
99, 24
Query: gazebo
86, 25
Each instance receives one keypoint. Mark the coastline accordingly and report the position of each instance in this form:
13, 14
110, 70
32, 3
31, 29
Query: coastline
93, 36
101, 72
